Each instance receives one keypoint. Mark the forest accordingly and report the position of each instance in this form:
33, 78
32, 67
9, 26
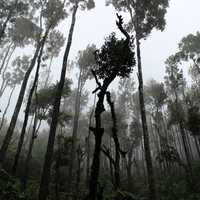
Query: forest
90, 126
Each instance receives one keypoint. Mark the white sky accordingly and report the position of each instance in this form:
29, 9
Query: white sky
93, 26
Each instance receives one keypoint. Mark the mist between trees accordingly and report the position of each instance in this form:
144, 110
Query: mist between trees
64, 140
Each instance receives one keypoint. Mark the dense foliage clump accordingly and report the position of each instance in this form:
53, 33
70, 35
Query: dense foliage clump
114, 57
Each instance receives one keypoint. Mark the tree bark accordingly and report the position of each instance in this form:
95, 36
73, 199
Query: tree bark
14, 118
98, 133
45, 179
150, 172
116, 142
28, 106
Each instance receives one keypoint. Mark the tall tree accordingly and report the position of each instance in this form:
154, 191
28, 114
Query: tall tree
85, 62
176, 83
189, 50
108, 68
43, 192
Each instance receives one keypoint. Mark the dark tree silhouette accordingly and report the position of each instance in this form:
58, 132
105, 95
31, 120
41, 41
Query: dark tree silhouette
115, 58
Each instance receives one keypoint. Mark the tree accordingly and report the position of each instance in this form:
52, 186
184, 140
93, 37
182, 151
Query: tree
145, 16
189, 50
43, 192
9, 11
175, 83
85, 62
115, 58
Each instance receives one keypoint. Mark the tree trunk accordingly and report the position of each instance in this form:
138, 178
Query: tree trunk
29, 155
197, 145
74, 133
28, 106
6, 109
5, 57
13, 121
150, 173
5, 81
57, 168
88, 144
45, 179
116, 141
129, 164
187, 155
98, 133
48, 73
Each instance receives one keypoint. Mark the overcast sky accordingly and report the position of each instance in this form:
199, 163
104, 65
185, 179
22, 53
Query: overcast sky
183, 17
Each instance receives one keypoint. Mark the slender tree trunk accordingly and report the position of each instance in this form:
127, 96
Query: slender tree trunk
13, 121
129, 163
48, 73
88, 144
2, 31
197, 145
28, 134
6, 109
57, 178
188, 141
74, 132
5, 57
5, 81
184, 142
29, 155
116, 141
45, 179
150, 172
78, 172
28, 106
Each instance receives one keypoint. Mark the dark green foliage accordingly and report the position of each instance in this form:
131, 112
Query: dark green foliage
9, 188
193, 120
122, 195
155, 95
114, 57
169, 154
176, 112
45, 96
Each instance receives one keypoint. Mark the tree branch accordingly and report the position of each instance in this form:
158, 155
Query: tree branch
121, 28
